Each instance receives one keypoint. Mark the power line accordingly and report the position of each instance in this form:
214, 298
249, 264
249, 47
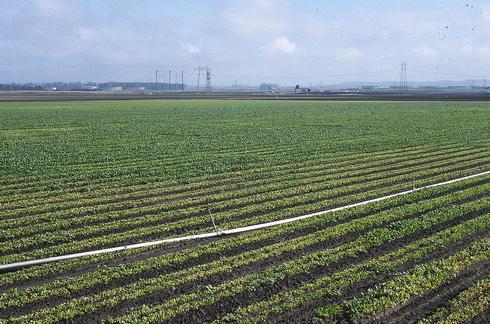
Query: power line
326, 76
403, 77
182, 81
169, 80
300, 75
450, 73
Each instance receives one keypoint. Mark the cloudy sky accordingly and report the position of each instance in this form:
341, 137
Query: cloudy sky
244, 41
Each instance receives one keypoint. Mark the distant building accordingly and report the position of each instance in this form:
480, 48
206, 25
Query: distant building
90, 88
428, 87
299, 89
141, 86
268, 86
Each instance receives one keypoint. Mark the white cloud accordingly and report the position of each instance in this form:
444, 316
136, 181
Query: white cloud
258, 17
191, 49
283, 45
348, 55
425, 52
249, 37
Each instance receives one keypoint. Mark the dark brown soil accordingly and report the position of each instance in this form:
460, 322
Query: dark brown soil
355, 160
482, 318
305, 313
238, 181
190, 228
228, 305
192, 196
151, 299
336, 96
424, 305
185, 245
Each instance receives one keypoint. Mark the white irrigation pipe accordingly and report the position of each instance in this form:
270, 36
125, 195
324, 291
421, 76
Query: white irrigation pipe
16, 265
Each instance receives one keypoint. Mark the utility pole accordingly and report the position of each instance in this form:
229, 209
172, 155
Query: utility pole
156, 79
405, 81
169, 80
182, 89
198, 69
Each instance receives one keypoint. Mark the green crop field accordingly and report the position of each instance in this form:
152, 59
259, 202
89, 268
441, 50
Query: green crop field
81, 176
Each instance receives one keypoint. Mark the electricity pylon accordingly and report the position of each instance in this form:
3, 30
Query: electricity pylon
403, 77
206, 69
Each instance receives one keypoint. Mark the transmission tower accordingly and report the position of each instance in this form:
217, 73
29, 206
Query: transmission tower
208, 80
203, 69
403, 77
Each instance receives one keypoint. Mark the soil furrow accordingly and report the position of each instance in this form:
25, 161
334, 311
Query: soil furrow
300, 171
423, 305
305, 313
193, 285
229, 304
186, 245
197, 227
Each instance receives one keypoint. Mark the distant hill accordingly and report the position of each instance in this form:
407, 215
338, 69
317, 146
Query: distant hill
439, 83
